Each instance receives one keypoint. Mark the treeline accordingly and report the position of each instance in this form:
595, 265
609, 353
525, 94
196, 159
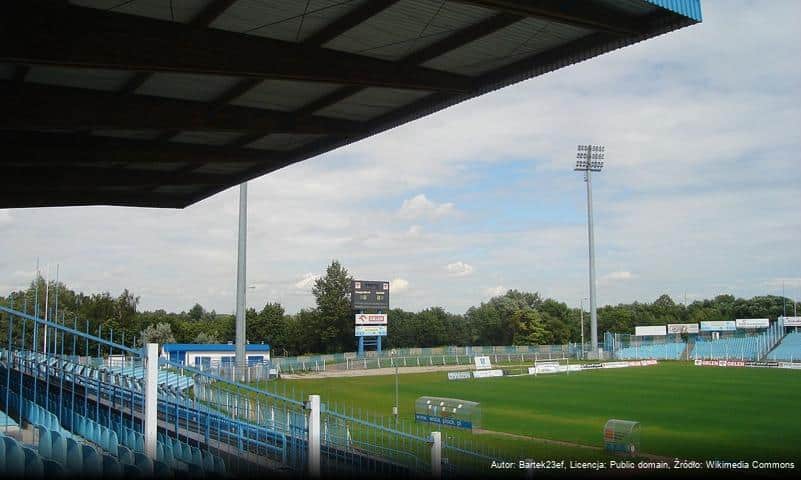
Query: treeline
520, 318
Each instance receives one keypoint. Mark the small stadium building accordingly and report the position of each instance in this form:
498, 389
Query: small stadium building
213, 354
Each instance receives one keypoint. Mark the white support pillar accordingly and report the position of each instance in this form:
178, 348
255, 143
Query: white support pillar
314, 436
151, 398
436, 454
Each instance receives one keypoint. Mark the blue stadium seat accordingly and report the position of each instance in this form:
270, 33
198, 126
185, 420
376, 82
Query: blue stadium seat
33, 463
131, 471
197, 457
59, 452
162, 470
111, 466
125, 455
45, 442
219, 465
92, 461
52, 468
113, 442
143, 462
15, 457
74, 458
208, 462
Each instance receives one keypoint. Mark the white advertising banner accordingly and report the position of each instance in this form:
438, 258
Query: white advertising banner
752, 323
371, 330
718, 326
371, 319
487, 373
615, 364
652, 330
458, 375
792, 321
682, 328
482, 363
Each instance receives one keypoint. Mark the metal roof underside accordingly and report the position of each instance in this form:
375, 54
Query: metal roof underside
161, 103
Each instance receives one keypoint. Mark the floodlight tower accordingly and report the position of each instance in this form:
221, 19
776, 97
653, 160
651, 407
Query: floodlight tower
589, 158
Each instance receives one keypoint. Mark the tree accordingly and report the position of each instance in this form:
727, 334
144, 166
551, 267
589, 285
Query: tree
204, 337
332, 292
532, 328
158, 333
196, 312
269, 325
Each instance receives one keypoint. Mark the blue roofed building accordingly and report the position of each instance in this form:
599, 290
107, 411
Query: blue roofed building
213, 354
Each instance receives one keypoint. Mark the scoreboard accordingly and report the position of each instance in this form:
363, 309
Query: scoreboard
369, 295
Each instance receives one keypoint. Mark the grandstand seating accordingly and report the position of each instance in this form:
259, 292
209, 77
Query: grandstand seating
663, 351
789, 349
739, 348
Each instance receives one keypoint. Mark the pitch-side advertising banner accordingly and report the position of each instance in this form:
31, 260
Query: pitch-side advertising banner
458, 375
719, 326
482, 363
682, 328
792, 321
653, 330
752, 323
371, 319
487, 373
371, 330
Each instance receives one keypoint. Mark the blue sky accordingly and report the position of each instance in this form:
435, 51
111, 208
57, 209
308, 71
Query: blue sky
700, 194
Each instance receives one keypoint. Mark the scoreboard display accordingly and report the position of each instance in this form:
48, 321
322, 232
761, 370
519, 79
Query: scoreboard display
369, 295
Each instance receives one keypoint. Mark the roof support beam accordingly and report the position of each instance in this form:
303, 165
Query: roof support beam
348, 21
89, 38
50, 107
583, 14
51, 149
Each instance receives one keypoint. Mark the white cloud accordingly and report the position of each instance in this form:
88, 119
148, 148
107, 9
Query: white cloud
495, 291
421, 207
459, 269
397, 285
307, 281
788, 283
5, 217
617, 277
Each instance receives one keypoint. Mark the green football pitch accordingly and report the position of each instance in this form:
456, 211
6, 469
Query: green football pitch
685, 411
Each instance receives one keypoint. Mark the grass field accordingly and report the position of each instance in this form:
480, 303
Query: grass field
686, 411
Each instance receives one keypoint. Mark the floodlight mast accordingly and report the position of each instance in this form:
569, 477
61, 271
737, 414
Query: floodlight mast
589, 158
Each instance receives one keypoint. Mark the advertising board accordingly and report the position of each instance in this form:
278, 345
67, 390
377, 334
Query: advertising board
752, 323
482, 363
451, 422
371, 330
487, 373
682, 328
719, 326
792, 365
656, 330
458, 375
615, 364
371, 318
792, 321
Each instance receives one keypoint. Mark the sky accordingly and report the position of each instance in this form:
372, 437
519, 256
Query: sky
700, 194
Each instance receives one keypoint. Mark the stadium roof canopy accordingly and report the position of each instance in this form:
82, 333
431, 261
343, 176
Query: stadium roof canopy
162, 103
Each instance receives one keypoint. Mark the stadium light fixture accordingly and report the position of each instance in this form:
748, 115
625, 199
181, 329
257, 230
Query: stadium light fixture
590, 158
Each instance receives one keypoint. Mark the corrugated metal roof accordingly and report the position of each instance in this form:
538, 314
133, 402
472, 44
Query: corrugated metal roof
180, 10
283, 95
206, 137
130, 134
176, 189
202, 88
524, 38
155, 166
7, 71
225, 167
91, 78
283, 141
372, 102
407, 26
688, 8
284, 19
